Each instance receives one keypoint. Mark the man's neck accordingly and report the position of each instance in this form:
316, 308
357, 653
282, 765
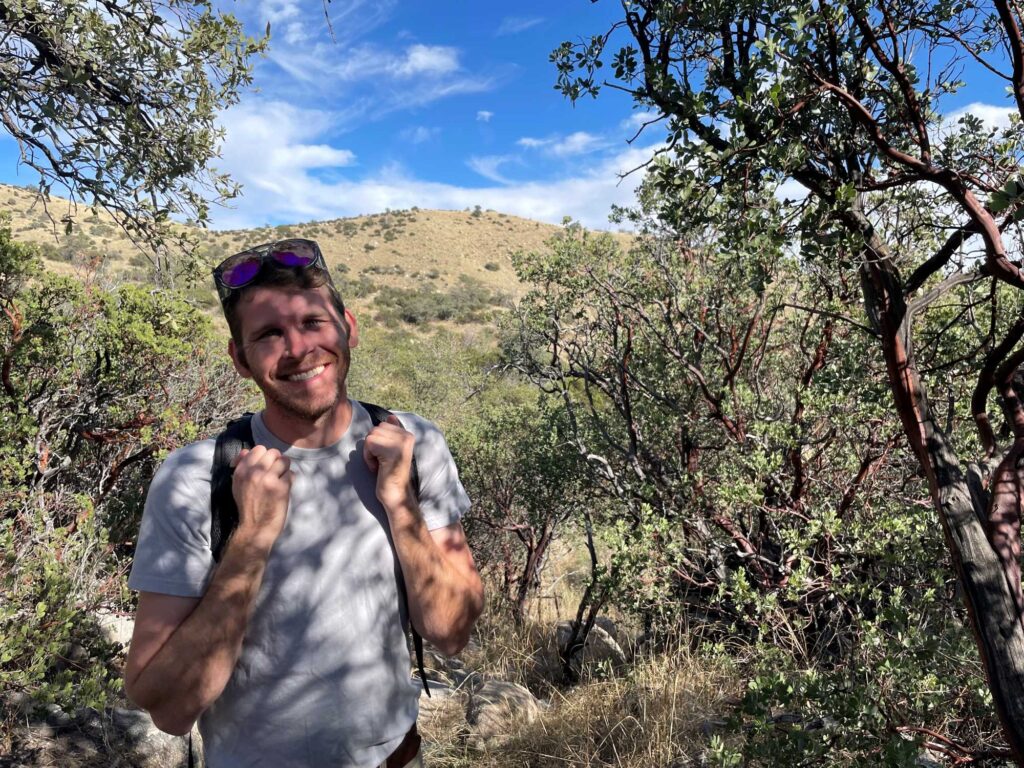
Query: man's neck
303, 433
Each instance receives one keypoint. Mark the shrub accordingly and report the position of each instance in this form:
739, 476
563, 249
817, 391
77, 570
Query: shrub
102, 384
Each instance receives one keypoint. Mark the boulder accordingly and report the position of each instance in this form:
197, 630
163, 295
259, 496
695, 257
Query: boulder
442, 711
497, 710
116, 627
600, 654
145, 745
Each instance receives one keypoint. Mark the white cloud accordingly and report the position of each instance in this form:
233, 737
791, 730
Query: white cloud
275, 151
426, 60
419, 134
295, 33
636, 120
578, 143
512, 25
279, 10
991, 115
484, 116
269, 146
488, 165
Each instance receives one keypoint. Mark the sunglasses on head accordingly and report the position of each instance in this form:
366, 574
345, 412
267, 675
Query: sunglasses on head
241, 269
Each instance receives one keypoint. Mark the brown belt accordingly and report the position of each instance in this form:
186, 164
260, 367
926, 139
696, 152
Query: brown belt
405, 751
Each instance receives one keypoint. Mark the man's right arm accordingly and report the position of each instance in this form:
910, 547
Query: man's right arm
184, 649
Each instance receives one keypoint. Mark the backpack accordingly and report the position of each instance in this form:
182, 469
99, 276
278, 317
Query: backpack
224, 511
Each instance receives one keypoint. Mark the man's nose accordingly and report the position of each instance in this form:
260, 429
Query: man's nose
295, 343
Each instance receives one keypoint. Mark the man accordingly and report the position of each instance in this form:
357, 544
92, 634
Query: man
290, 651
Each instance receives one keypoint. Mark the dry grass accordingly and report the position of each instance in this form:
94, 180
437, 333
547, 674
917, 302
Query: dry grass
654, 715
651, 717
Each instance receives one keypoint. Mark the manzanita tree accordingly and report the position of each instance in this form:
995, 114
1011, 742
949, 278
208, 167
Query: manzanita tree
115, 103
845, 99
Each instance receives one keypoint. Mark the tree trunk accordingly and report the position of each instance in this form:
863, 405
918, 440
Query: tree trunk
996, 621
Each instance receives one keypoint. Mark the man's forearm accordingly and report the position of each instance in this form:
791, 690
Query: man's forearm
444, 602
192, 668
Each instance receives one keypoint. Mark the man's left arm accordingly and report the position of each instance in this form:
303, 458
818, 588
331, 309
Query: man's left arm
444, 589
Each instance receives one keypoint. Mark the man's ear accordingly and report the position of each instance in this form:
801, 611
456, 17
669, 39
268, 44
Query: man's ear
353, 328
238, 358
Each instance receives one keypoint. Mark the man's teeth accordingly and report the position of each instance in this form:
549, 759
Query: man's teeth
306, 374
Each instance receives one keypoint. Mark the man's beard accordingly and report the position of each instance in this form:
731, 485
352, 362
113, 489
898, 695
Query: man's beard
305, 409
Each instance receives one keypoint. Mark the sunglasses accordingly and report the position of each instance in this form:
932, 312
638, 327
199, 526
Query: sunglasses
241, 269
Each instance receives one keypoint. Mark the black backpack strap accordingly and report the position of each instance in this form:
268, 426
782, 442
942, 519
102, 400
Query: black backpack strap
378, 415
223, 511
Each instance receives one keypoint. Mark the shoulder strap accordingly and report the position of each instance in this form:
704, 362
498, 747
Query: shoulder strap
224, 512
378, 415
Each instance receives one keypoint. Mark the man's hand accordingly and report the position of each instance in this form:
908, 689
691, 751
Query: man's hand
261, 486
388, 452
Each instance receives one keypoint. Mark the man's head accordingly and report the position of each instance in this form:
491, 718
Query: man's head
294, 263
290, 331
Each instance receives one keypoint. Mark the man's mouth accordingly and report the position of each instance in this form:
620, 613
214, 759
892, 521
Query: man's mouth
306, 375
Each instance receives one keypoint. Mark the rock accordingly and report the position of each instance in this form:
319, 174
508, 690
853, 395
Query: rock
116, 627
57, 717
443, 709
600, 653
464, 679
145, 745
608, 626
22, 703
498, 709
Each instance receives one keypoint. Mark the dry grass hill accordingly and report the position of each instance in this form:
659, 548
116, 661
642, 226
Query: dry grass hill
405, 250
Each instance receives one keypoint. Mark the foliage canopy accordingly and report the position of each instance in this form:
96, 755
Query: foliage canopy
116, 103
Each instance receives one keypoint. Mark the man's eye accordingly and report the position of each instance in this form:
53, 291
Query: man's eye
269, 334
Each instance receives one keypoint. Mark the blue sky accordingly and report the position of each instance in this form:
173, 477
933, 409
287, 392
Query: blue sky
436, 104
433, 104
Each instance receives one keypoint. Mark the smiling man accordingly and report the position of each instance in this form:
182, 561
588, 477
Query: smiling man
291, 650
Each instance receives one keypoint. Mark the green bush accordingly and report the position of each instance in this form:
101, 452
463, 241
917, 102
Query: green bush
468, 302
102, 384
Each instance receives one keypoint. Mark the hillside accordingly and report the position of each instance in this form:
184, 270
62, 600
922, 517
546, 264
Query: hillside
407, 250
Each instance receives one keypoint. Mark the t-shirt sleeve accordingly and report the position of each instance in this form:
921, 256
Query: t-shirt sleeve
443, 500
172, 555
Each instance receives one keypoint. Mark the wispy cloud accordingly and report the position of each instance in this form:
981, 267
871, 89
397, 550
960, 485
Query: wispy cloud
278, 10
290, 175
488, 165
991, 115
419, 134
578, 143
426, 60
637, 120
484, 116
512, 25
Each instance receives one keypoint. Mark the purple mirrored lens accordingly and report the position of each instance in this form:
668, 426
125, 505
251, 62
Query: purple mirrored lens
294, 255
242, 273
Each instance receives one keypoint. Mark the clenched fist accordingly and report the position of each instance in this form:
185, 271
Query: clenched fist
388, 452
261, 487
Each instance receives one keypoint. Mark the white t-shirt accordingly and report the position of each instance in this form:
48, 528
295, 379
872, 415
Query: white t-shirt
324, 674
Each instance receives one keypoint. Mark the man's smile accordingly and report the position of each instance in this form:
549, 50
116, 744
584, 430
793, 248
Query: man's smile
307, 374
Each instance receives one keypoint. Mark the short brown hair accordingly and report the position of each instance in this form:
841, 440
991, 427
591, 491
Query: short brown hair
303, 279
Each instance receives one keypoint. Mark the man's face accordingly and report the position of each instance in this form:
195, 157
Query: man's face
296, 348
